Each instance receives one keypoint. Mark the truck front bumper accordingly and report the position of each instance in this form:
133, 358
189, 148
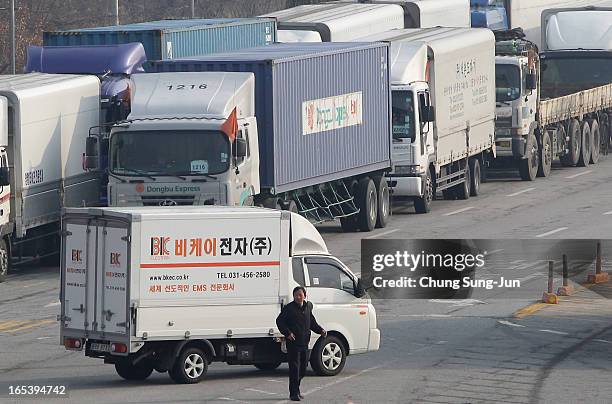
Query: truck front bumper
511, 146
406, 186
374, 340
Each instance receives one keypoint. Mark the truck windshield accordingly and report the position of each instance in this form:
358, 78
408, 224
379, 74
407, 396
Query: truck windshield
565, 76
507, 83
402, 106
169, 153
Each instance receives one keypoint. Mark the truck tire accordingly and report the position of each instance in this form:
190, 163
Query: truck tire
328, 356
423, 204
571, 159
528, 167
595, 141
272, 203
129, 371
449, 194
5, 260
267, 366
604, 133
383, 198
585, 144
546, 156
475, 177
290, 206
367, 200
463, 190
190, 367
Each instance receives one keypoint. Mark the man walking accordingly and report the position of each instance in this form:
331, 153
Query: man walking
295, 322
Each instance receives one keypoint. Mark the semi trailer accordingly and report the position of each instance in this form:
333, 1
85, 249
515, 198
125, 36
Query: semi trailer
146, 289
44, 119
443, 105
302, 127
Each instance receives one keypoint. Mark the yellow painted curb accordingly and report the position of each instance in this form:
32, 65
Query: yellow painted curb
529, 310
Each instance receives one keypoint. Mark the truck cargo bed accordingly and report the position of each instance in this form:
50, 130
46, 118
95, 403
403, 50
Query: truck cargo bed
575, 105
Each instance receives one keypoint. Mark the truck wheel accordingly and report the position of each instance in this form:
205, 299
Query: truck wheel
129, 371
328, 356
585, 145
474, 176
423, 204
5, 260
571, 159
528, 167
190, 366
272, 203
595, 141
546, 156
463, 190
368, 204
267, 366
382, 192
449, 194
291, 206
604, 133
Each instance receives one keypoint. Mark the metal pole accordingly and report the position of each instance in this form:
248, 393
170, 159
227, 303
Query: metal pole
116, 12
550, 276
192, 8
565, 271
598, 259
13, 38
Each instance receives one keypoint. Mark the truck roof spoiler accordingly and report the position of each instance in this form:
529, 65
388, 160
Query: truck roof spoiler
92, 59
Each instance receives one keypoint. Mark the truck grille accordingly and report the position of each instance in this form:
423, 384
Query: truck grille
168, 200
505, 122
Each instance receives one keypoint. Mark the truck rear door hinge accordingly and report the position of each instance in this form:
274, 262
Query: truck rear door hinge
66, 233
126, 238
61, 317
124, 324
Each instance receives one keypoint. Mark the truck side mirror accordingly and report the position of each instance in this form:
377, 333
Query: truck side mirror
429, 114
91, 157
240, 148
531, 81
5, 176
359, 289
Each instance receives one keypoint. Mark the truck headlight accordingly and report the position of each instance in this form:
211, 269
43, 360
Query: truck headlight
407, 170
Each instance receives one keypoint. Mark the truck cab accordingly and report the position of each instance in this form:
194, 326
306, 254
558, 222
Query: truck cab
173, 150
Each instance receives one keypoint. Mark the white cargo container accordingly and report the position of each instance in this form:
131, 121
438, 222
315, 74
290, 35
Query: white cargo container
443, 106
151, 288
44, 120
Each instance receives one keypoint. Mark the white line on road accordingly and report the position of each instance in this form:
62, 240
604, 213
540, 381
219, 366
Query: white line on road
552, 232
53, 304
262, 391
579, 174
504, 322
232, 399
603, 340
521, 192
275, 381
554, 332
458, 211
608, 213
44, 337
384, 233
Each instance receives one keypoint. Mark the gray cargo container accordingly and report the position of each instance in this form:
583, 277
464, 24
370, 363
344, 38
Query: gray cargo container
170, 39
289, 75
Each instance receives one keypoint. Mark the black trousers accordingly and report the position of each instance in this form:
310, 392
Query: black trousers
298, 361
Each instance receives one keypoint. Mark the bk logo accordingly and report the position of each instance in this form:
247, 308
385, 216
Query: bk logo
77, 255
114, 259
159, 246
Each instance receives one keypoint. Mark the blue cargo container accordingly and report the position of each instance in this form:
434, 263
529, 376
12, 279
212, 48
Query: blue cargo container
288, 77
172, 39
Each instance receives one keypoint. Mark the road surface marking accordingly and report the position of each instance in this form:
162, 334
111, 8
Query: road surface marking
232, 399
494, 251
504, 322
458, 211
529, 310
579, 174
603, 340
44, 337
53, 304
276, 381
261, 391
521, 192
608, 213
555, 332
384, 233
13, 326
552, 232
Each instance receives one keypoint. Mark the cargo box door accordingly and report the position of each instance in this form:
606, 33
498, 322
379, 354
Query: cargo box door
77, 272
112, 260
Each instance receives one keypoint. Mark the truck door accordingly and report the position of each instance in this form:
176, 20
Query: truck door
331, 289
95, 277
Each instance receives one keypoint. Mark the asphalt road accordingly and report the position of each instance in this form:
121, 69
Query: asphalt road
471, 351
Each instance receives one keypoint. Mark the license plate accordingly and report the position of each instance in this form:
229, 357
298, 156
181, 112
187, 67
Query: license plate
95, 346
504, 143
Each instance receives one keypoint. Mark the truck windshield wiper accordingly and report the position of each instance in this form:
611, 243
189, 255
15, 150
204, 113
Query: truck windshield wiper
115, 177
140, 172
212, 177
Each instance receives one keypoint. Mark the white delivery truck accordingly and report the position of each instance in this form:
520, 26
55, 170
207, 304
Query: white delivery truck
443, 107
44, 120
174, 289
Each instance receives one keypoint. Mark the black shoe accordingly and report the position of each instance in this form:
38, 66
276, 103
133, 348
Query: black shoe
295, 398
301, 396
